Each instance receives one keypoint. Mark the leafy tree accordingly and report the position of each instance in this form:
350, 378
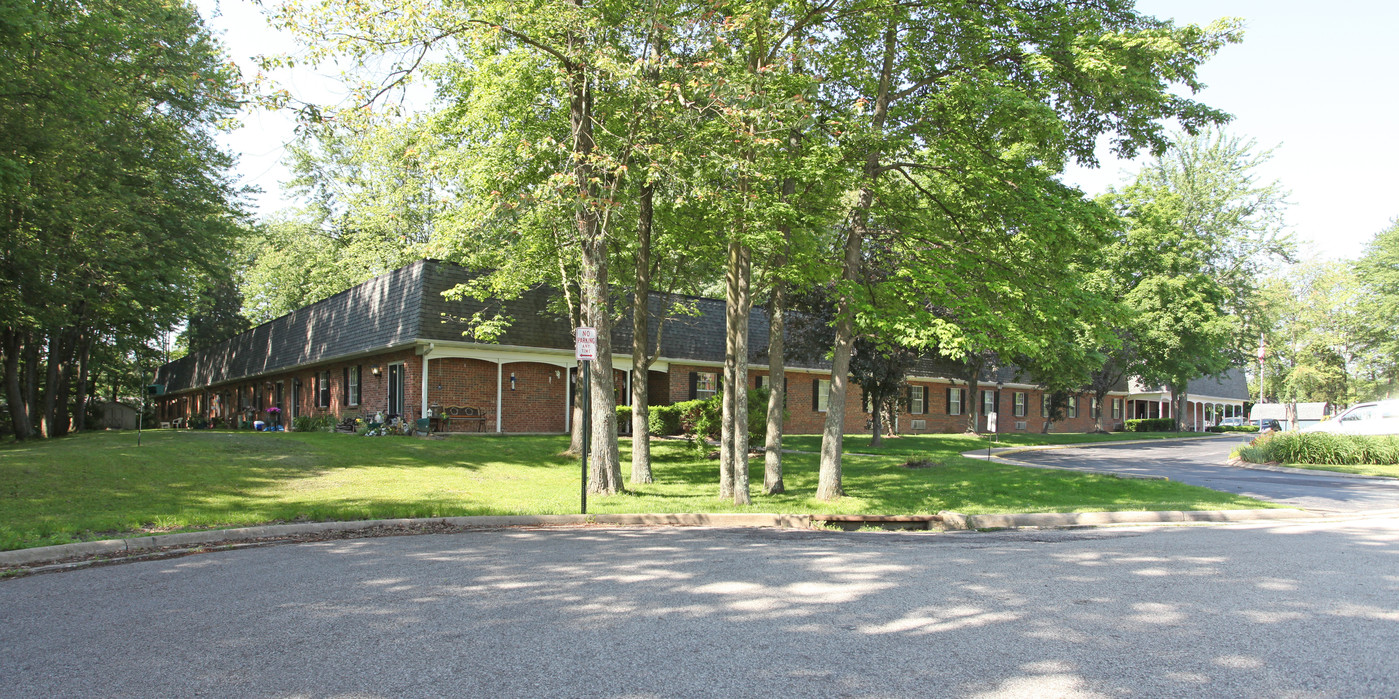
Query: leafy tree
1200, 232
969, 126
118, 205
1378, 271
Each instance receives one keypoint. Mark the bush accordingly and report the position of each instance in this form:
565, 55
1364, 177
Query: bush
704, 418
306, 423
1322, 448
624, 419
1232, 428
1155, 424
663, 420
198, 423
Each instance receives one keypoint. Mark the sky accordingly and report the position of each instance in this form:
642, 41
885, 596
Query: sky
1316, 83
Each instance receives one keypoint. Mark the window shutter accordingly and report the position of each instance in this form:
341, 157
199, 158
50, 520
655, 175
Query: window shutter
694, 385
359, 384
815, 395
949, 401
996, 402
345, 390
927, 398
908, 399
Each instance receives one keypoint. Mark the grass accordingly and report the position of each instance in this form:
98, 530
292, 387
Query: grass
101, 485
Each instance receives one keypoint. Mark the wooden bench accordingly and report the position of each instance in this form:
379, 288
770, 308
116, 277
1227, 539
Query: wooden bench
348, 425
460, 414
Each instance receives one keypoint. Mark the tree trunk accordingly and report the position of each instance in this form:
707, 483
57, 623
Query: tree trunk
605, 477
741, 494
974, 402
52, 370
80, 394
1178, 401
727, 411
30, 381
876, 421
641, 360
1098, 426
777, 377
832, 434
19, 409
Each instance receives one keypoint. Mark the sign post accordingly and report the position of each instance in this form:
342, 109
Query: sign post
992, 432
585, 351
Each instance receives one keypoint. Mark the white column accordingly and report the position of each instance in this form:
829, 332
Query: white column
424, 413
499, 407
567, 401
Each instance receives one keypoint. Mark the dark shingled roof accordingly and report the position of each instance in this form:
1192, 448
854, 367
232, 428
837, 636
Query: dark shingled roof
378, 314
407, 305
1231, 384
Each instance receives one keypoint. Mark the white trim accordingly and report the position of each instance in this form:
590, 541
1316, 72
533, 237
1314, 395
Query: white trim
499, 406
424, 394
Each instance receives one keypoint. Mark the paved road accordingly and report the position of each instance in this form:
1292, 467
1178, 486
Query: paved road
1202, 462
1256, 610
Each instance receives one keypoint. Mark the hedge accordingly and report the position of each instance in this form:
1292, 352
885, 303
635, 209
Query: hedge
1322, 449
660, 419
1155, 424
1232, 428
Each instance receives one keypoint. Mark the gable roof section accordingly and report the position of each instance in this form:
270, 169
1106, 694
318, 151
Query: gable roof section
378, 314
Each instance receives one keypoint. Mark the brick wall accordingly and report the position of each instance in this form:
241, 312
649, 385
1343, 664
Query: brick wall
536, 402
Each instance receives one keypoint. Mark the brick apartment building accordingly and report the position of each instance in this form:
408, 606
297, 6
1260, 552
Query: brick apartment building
396, 345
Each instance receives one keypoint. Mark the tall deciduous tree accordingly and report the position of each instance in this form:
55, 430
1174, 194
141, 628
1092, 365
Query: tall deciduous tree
974, 108
1202, 231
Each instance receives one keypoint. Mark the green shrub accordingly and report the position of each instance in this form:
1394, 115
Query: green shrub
623, 418
663, 420
307, 423
1155, 424
1322, 448
1232, 428
704, 418
198, 423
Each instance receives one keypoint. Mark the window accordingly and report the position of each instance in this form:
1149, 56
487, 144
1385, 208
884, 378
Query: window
1117, 408
916, 402
954, 401
352, 385
758, 381
1044, 405
988, 402
323, 389
1095, 410
823, 395
1020, 404
706, 384
1073, 406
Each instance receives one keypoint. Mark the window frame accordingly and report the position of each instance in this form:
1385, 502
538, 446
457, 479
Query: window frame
352, 389
1117, 408
323, 389
917, 400
1020, 403
954, 401
823, 395
702, 393
1072, 410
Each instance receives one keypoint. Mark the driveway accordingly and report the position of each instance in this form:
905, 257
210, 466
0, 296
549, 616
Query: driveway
1244, 610
1202, 462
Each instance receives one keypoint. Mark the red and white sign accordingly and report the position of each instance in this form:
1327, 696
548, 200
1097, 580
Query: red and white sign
585, 343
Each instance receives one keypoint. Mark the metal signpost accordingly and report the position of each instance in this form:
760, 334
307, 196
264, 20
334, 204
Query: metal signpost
585, 350
991, 428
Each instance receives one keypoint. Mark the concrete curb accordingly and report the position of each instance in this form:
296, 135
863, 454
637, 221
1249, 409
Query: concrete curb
1236, 463
1080, 519
146, 544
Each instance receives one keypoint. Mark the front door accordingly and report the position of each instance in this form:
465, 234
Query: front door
396, 390
295, 398
280, 401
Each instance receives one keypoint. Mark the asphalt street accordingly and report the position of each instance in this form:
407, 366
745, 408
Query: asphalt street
1245, 610
1202, 462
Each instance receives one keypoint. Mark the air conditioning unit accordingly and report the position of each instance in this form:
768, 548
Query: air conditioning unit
1019, 424
920, 425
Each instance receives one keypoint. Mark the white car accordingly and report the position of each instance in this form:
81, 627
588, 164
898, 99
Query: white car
1366, 418
1231, 422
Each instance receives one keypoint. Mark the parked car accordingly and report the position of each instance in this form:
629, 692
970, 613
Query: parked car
1268, 426
1381, 417
1231, 422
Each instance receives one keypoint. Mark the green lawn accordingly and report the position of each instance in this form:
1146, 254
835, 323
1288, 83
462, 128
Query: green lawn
101, 485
